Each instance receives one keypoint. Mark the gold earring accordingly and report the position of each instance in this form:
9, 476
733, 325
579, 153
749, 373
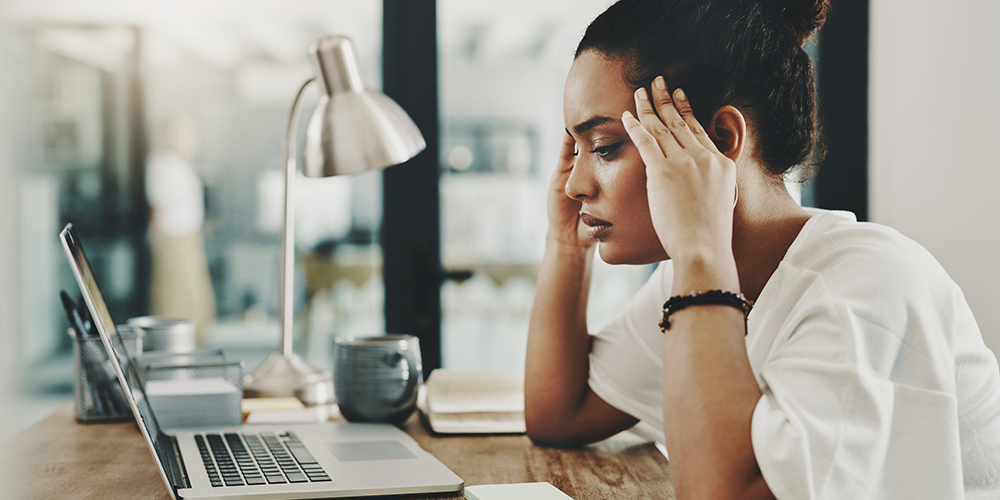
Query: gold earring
737, 197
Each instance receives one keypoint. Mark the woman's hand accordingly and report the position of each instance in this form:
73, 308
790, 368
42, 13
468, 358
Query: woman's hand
564, 212
690, 184
709, 389
560, 409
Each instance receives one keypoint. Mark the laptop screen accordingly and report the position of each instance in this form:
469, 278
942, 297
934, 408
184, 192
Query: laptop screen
126, 371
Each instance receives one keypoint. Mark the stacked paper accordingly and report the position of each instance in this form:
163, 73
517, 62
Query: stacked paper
194, 402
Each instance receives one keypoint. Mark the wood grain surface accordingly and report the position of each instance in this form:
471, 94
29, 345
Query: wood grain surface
59, 458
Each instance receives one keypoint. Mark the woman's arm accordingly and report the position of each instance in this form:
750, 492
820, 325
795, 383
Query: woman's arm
709, 390
559, 407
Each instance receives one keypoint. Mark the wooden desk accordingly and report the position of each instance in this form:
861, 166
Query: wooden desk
60, 458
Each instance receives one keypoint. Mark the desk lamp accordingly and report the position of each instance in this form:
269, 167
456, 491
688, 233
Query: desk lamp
353, 129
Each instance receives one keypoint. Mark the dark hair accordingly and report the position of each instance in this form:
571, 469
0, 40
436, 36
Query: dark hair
744, 53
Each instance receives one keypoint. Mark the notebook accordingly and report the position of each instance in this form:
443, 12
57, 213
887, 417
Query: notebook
457, 402
262, 462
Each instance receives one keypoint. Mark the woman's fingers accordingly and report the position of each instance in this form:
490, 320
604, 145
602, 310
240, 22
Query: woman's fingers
645, 142
567, 158
670, 116
563, 211
683, 106
651, 122
567, 154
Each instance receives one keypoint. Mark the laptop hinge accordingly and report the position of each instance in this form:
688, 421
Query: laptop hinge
176, 469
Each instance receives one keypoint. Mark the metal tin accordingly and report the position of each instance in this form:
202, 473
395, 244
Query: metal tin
165, 334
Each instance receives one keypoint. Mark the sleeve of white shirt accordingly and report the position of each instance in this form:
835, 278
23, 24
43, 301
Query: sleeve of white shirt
176, 194
858, 392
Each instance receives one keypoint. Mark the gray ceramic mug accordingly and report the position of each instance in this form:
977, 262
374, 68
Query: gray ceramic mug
377, 378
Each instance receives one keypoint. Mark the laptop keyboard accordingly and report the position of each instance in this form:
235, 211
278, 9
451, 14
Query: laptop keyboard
265, 458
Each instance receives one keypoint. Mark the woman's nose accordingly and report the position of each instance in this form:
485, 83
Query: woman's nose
580, 185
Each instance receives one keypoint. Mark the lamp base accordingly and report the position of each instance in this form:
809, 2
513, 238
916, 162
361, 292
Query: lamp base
280, 375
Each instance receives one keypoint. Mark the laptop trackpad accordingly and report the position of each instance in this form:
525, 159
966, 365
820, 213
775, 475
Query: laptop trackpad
369, 450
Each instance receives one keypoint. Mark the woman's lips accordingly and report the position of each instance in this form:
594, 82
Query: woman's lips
597, 228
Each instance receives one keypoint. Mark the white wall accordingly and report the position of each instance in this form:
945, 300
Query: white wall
935, 131
9, 308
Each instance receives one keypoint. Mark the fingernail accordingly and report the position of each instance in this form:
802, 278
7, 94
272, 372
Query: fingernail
660, 83
641, 92
680, 95
627, 115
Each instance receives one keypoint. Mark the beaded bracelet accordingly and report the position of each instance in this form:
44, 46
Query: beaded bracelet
711, 297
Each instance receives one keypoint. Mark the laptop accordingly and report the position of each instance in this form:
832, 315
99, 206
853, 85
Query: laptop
262, 462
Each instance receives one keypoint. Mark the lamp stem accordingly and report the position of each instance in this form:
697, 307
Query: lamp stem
286, 313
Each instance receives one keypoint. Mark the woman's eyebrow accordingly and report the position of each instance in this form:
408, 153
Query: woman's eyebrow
593, 122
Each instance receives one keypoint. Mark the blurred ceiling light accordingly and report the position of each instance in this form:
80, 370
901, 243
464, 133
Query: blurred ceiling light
104, 48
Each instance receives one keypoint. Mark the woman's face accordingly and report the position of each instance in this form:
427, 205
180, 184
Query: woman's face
608, 178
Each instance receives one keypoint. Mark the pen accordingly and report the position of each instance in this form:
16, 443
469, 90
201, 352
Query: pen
73, 314
88, 321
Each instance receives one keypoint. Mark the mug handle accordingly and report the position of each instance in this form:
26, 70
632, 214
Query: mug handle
414, 372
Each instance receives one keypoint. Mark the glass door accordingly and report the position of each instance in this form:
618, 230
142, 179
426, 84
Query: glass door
502, 67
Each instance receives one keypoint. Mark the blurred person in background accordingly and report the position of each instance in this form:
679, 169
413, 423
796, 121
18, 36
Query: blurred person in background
180, 286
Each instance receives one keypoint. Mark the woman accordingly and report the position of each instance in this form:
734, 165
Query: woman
858, 373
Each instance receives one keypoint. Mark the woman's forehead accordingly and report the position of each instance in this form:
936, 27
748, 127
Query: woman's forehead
595, 88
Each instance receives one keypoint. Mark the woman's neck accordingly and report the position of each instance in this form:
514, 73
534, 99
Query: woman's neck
765, 223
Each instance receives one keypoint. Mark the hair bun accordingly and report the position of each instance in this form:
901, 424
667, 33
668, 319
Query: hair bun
802, 17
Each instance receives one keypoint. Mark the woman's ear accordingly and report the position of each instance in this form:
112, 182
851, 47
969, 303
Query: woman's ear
728, 131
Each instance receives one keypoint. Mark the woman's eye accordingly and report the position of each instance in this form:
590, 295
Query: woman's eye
605, 151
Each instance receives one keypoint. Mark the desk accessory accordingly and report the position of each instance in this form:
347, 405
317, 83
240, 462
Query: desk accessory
285, 410
165, 334
308, 415
456, 402
353, 129
250, 405
377, 378
191, 390
97, 395
73, 314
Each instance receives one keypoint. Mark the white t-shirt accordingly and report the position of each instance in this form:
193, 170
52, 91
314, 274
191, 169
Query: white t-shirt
176, 194
876, 381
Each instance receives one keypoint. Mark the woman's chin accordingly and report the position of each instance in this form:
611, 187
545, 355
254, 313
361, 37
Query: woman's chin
616, 255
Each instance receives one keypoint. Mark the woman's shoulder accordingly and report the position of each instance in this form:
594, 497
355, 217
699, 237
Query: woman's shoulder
839, 247
869, 282
870, 274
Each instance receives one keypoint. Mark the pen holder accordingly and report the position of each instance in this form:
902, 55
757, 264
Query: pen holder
195, 389
97, 394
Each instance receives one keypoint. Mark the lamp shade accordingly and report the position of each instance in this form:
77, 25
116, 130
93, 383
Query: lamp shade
353, 128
